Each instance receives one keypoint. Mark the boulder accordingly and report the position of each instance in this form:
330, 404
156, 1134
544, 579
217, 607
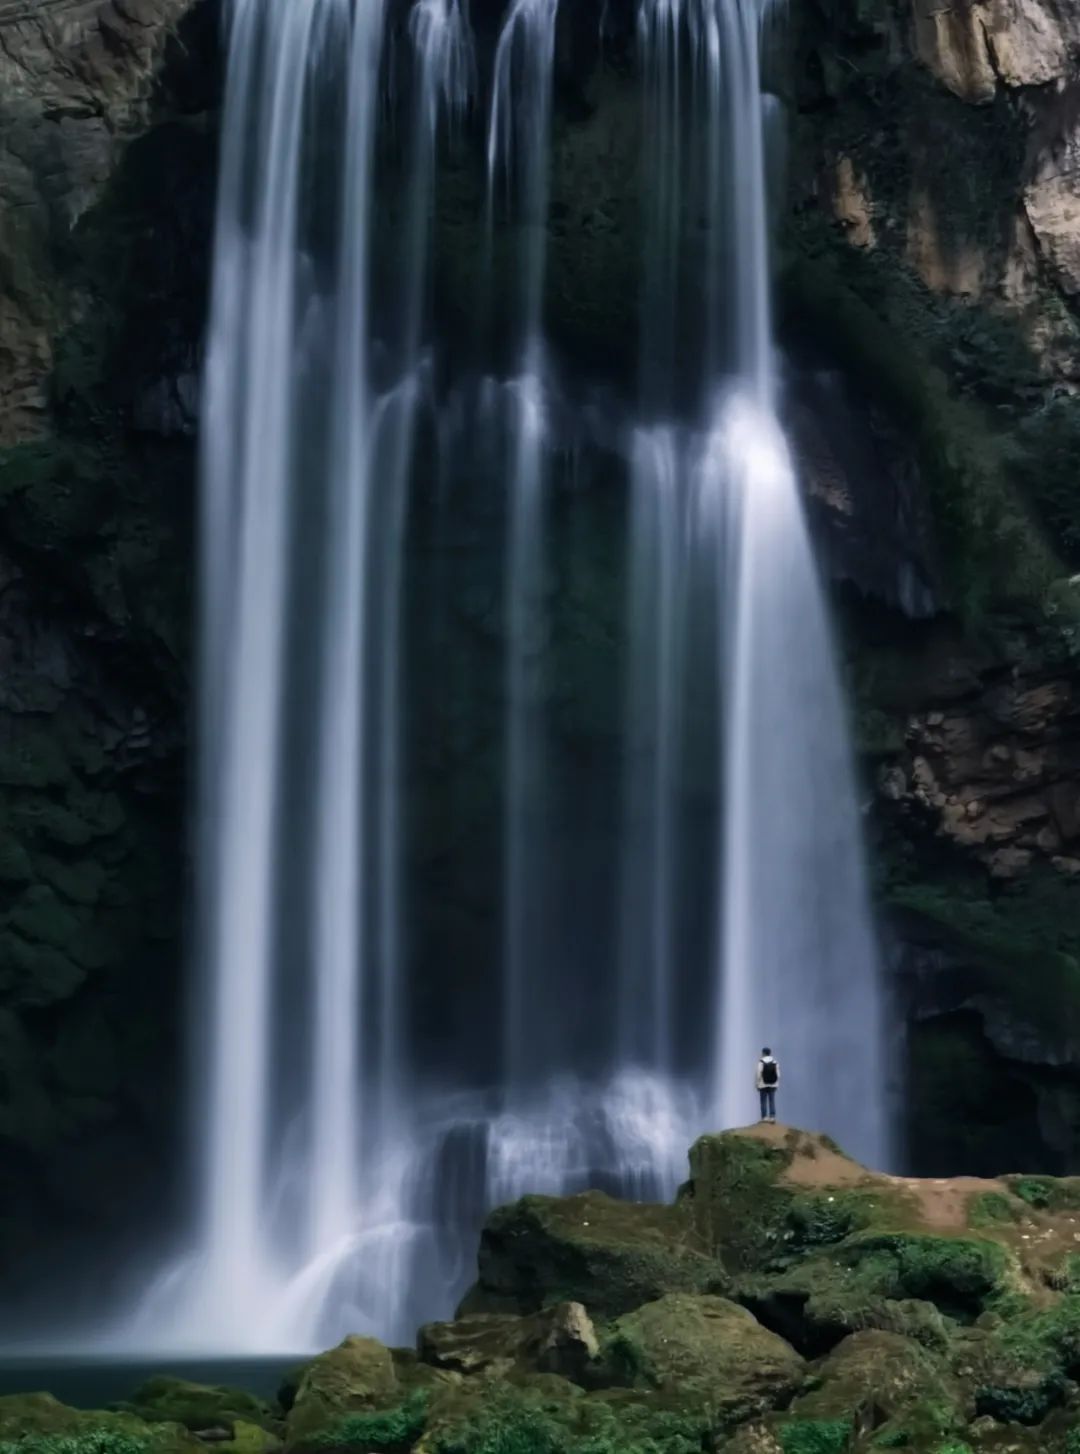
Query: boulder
876, 1377
356, 1377
199, 1407
709, 1352
480, 1343
611, 1256
560, 1339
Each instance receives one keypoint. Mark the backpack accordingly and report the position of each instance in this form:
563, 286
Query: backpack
769, 1072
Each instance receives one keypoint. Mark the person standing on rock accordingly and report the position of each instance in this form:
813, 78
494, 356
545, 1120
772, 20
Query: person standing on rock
768, 1078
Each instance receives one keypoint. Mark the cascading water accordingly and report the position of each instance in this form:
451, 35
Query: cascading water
343, 1178
796, 958
518, 148
305, 469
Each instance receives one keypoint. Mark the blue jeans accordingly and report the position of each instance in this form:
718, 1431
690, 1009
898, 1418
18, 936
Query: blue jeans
768, 1101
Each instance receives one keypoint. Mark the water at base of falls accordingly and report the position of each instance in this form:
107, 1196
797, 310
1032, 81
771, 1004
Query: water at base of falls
426, 1198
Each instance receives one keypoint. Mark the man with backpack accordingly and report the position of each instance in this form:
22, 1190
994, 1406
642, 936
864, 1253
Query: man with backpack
768, 1078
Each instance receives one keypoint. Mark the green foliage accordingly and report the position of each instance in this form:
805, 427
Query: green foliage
513, 1421
392, 1429
1035, 1190
816, 1436
93, 1441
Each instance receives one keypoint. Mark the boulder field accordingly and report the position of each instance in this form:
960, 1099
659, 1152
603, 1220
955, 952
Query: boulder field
790, 1302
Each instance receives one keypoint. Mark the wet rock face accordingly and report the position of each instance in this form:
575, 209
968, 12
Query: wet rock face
106, 185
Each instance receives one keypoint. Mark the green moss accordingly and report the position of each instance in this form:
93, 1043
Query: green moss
1022, 1370
959, 1275
816, 1436
990, 1209
816, 1220
738, 1205
928, 1423
708, 1352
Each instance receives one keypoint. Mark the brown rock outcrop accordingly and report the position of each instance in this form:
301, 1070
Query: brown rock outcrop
998, 772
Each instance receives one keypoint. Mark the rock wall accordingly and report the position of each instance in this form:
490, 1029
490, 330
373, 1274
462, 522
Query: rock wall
106, 176
930, 257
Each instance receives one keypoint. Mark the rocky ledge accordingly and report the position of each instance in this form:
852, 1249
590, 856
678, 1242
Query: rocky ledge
790, 1302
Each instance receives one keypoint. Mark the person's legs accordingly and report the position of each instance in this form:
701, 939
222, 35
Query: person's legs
770, 1098
764, 1095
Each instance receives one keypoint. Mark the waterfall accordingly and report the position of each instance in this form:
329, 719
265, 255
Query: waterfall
717, 509
799, 955
306, 1228
344, 1169
519, 139
249, 444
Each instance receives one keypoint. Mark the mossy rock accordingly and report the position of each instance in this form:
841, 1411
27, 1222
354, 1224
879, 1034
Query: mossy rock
707, 1351
356, 1378
611, 1256
39, 1424
762, 1197
1020, 1369
874, 1378
961, 1276
558, 1340
735, 1198
198, 1406
819, 1302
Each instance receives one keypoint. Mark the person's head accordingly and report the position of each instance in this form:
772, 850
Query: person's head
765, 1050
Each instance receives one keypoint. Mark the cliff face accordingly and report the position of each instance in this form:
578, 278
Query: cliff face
931, 255
106, 169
